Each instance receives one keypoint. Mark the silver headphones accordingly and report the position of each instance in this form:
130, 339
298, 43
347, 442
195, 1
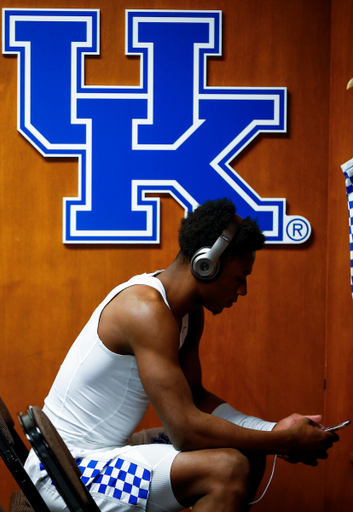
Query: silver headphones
205, 262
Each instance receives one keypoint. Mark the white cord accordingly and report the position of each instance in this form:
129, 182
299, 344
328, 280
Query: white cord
267, 486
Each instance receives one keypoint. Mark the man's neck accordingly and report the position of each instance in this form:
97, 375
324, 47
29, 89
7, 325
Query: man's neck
179, 285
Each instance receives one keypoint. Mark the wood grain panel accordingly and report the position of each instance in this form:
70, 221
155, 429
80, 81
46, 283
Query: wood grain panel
339, 470
266, 355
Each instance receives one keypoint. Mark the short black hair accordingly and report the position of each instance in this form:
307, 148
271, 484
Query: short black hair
203, 226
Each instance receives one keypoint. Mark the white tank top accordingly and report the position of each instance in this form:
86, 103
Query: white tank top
97, 399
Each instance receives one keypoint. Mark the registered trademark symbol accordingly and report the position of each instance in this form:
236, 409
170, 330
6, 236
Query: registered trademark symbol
297, 229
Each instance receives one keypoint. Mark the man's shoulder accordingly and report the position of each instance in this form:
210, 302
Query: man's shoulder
139, 302
134, 317
140, 292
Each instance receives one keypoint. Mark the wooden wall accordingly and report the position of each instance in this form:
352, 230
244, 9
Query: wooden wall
339, 467
270, 354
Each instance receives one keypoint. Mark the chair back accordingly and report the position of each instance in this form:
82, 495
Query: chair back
14, 464
57, 460
19, 503
19, 446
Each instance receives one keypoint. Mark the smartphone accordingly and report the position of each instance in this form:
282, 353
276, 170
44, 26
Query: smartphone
337, 427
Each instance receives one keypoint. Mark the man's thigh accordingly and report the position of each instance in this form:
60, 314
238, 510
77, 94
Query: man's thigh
200, 473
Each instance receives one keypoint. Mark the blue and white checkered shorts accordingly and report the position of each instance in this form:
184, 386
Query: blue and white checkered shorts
117, 478
117, 486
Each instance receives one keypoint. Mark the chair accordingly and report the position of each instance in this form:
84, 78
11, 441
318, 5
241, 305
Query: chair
19, 503
19, 446
15, 466
57, 460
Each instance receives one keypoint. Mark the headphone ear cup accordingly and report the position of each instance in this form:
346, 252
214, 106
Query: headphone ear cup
202, 267
205, 262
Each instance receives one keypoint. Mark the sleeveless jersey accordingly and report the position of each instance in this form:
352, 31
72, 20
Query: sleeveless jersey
97, 399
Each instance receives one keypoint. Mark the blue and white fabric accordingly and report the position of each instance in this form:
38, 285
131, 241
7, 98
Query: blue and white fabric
105, 475
118, 478
347, 169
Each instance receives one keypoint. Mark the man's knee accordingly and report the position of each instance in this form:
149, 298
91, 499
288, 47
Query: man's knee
231, 473
221, 475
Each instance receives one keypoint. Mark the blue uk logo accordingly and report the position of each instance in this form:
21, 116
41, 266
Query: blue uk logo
172, 133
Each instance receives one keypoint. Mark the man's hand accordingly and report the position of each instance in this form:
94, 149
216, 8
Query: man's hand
309, 442
293, 418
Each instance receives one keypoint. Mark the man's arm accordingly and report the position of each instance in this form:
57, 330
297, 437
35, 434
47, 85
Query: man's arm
138, 322
191, 367
153, 335
208, 402
204, 400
